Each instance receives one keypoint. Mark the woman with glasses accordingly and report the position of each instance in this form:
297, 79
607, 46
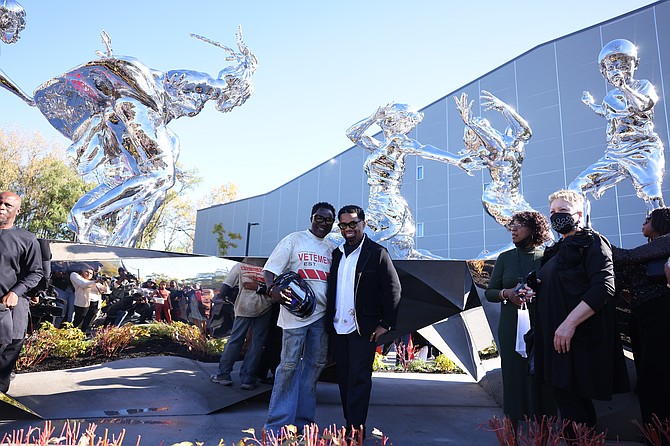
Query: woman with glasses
647, 294
577, 347
523, 394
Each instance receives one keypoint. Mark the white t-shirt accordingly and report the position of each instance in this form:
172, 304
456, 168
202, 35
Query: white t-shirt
310, 257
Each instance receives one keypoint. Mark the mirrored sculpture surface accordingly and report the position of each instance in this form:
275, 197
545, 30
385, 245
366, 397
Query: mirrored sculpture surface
12, 20
388, 215
634, 150
501, 152
115, 110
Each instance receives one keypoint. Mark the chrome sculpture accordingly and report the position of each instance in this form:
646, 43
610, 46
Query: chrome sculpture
501, 152
388, 215
634, 150
115, 110
12, 20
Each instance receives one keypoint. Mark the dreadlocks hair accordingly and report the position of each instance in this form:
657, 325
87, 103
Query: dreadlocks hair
660, 220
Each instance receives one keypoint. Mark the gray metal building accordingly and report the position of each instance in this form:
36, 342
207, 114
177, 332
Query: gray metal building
545, 86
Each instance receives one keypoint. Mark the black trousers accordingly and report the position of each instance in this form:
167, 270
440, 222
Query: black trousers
8, 355
651, 328
575, 408
354, 356
84, 315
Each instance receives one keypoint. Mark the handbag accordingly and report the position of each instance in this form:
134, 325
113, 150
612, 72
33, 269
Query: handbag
522, 327
656, 270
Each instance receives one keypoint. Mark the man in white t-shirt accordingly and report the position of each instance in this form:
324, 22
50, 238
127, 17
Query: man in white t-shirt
304, 340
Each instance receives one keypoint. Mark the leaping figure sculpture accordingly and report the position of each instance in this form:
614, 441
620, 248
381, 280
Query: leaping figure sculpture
388, 215
501, 152
115, 110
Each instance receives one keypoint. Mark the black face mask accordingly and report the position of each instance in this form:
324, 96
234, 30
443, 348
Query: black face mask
562, 222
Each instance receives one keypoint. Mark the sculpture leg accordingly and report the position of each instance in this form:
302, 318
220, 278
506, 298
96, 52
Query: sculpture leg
646, 169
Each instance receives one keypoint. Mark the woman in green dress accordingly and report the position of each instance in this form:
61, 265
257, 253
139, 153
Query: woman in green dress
523, 394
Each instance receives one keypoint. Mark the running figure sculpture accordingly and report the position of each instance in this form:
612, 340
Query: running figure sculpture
501, 153
388, 215
634, 150
115, 110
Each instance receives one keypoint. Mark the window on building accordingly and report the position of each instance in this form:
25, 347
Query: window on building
419, 229
419, 172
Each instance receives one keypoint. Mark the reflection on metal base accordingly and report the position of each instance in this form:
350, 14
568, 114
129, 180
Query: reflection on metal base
13, 410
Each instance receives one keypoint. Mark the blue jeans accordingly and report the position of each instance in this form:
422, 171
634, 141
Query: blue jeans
259, 329
303, 357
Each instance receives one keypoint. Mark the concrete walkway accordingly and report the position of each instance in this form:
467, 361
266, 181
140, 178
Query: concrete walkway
170, 400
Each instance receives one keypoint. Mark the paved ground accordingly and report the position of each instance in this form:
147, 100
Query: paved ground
170, 399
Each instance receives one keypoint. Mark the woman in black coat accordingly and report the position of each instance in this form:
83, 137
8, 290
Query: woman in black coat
649, 299
578, 350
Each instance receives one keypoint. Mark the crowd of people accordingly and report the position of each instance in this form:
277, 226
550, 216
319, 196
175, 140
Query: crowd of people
88, 298
343, 298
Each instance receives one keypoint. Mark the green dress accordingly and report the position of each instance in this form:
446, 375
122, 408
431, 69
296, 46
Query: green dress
523, 394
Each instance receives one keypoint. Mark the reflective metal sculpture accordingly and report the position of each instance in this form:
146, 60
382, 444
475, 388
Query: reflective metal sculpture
12, 20
115, 110
634, 150
388, 215
501, 152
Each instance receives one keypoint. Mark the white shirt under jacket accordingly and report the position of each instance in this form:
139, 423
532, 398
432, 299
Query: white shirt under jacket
345, 302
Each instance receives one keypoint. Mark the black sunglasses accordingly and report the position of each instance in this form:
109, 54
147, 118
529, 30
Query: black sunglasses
320, 219
351, 224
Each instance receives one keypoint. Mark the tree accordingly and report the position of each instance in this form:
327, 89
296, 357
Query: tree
173, 226
225, 193
225, 239
36, 170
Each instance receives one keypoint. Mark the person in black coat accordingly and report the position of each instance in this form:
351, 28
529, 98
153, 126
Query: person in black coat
578, 350
363, 298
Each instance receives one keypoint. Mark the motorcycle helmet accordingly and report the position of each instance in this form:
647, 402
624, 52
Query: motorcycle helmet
303, 301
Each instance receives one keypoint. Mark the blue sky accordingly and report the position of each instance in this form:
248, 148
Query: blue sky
322, 65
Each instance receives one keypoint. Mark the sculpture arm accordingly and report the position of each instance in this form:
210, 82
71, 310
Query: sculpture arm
518, 125
587, 99
8, 84
641, 97
491, 137
356, 133
465, 162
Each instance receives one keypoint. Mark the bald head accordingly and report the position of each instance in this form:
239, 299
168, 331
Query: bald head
10, 205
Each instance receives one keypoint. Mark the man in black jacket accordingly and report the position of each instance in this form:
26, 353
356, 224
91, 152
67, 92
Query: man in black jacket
20, 270
363, 298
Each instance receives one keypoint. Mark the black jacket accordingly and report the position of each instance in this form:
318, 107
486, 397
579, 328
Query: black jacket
376, 289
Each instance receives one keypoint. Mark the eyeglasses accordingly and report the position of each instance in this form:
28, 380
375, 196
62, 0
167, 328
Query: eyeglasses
319, 219
352, 224
515, 227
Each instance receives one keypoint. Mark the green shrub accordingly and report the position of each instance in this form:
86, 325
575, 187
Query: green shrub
489, 352
69, 342
191, 336
111, 340
378, 364
215, 346
446, 365
419, 366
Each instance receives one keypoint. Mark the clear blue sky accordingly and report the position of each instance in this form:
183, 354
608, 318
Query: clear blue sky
322, 65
